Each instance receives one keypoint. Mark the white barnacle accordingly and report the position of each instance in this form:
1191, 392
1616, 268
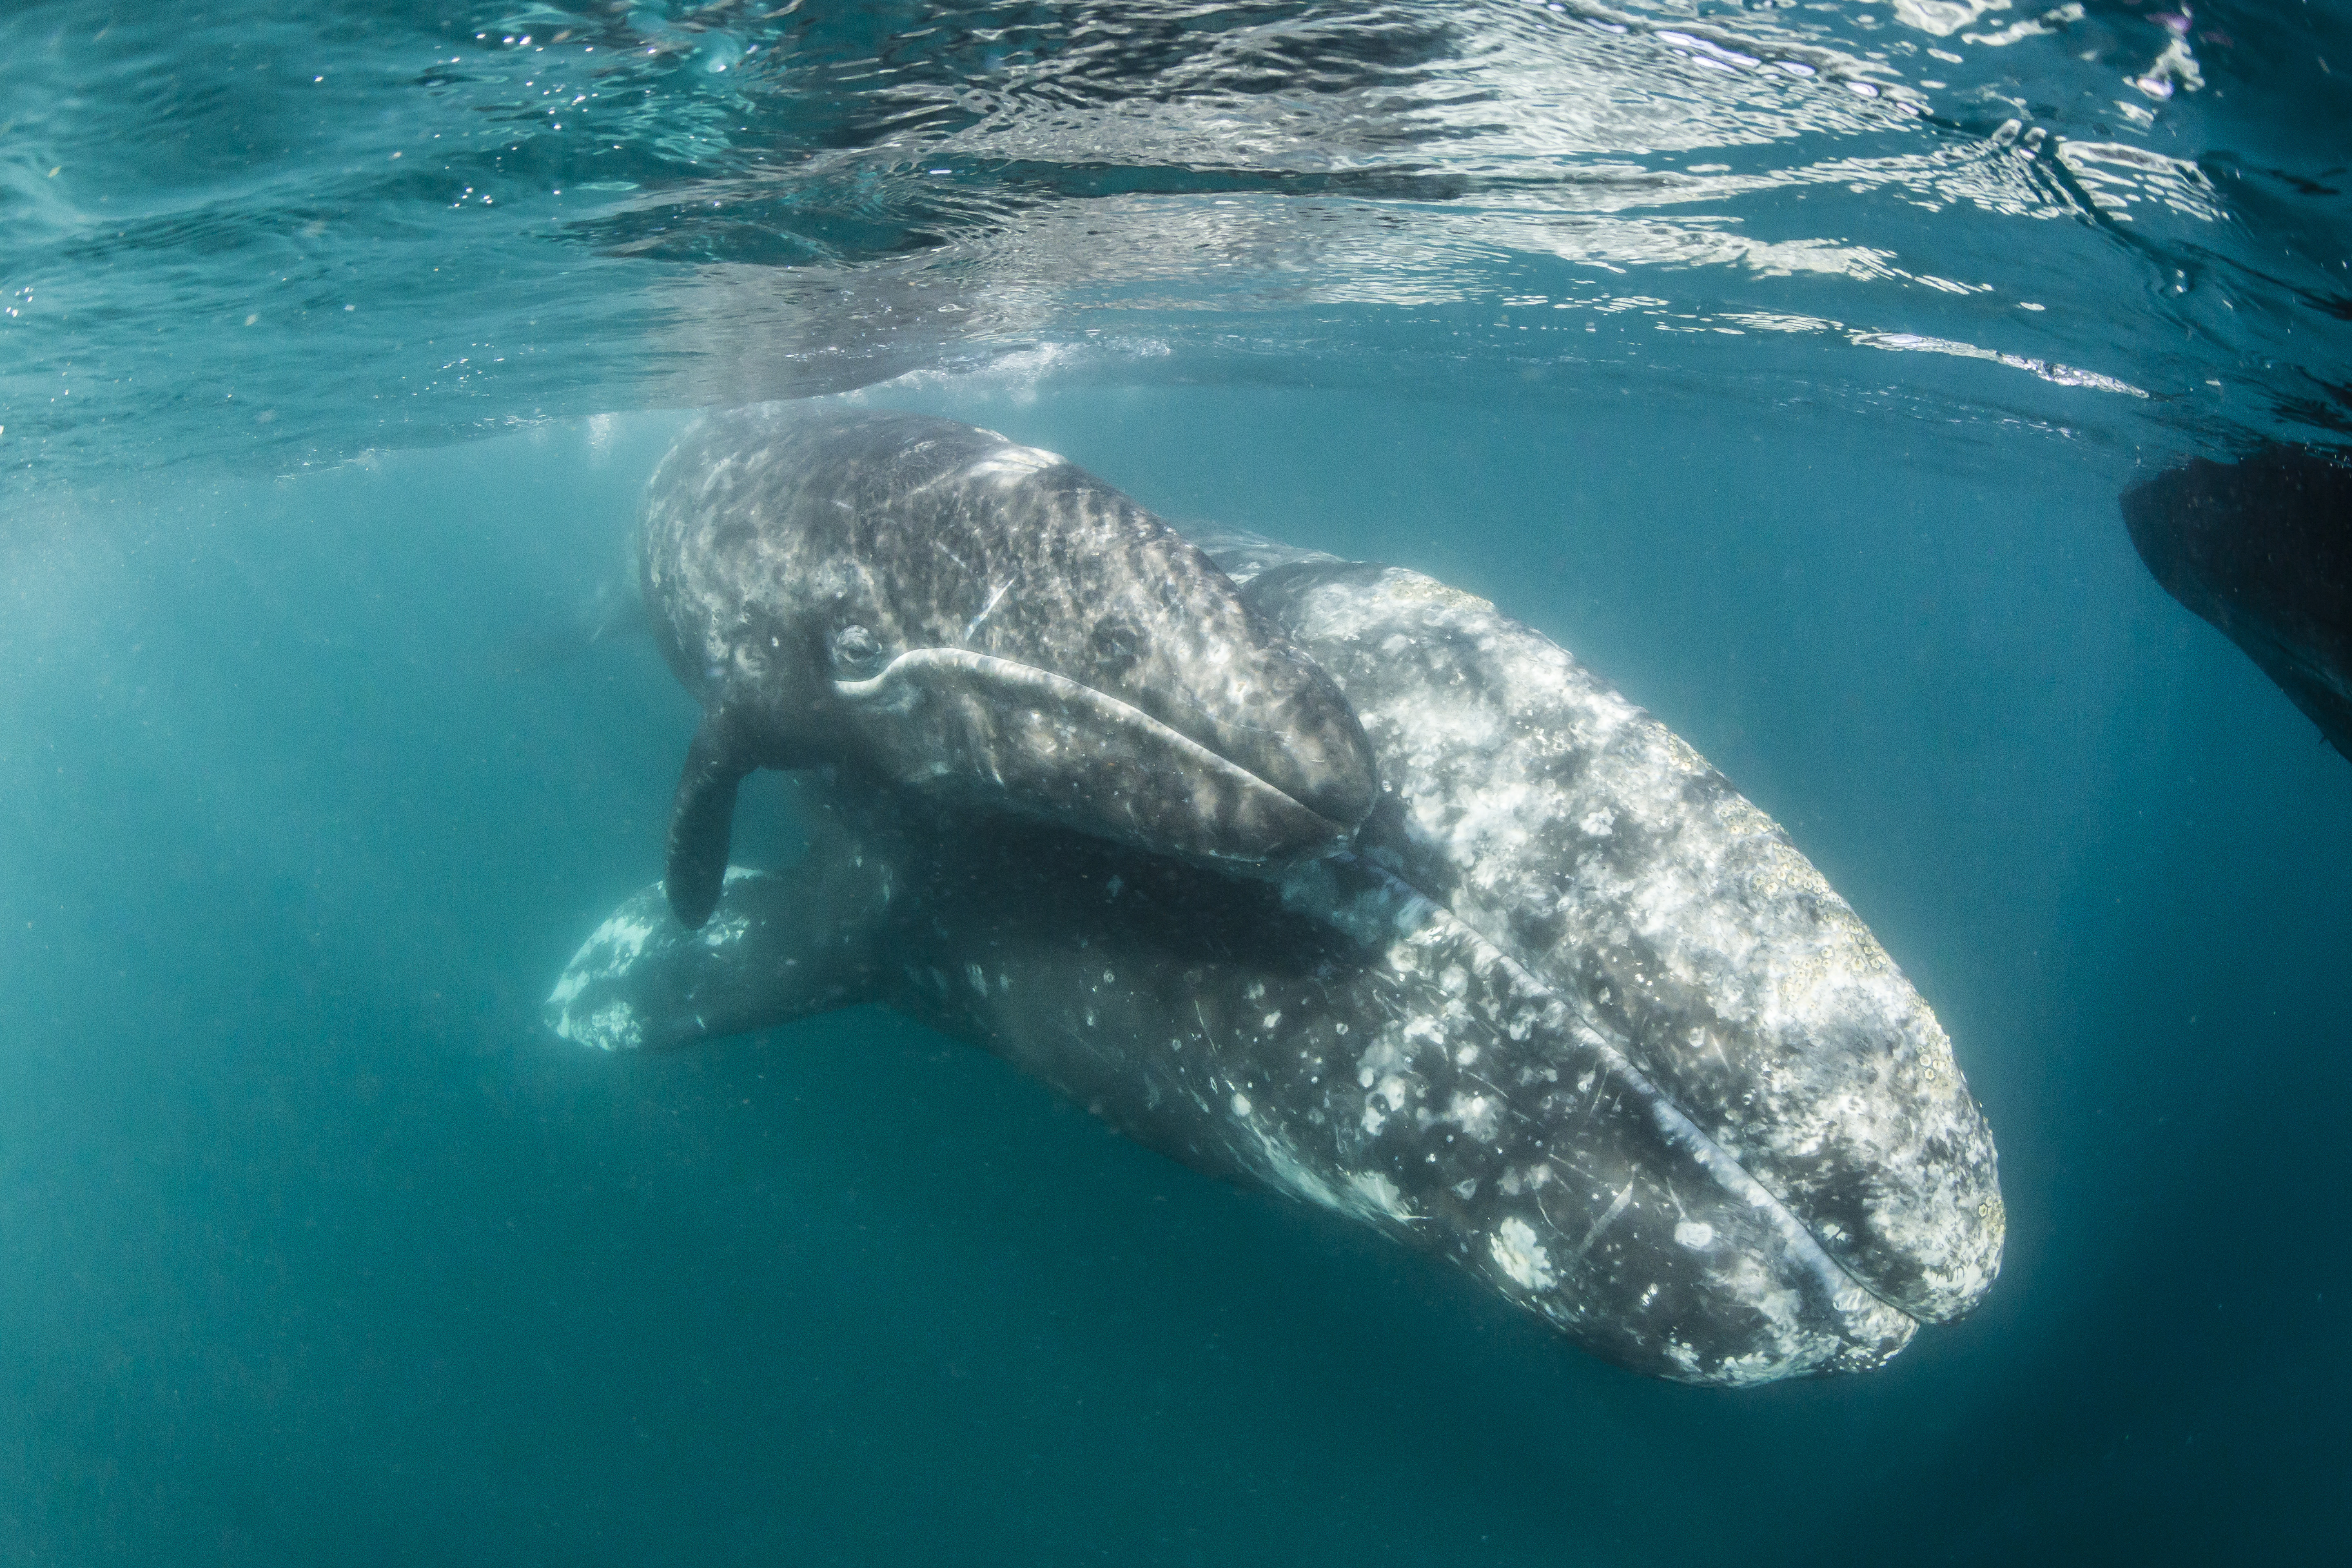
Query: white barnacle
1009, 465
1518, 1254
1474, 1113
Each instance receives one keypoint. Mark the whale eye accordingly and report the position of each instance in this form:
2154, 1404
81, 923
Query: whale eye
856, 653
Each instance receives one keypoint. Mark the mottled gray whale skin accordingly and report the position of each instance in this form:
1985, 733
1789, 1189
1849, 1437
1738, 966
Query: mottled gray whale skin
1596, 849
1572, 1013
935, 607
1334, 1036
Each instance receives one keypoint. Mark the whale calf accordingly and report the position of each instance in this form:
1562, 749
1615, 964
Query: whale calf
1569, 1012
937, 608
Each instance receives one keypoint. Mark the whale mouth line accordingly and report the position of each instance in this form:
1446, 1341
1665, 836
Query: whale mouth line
1078, 727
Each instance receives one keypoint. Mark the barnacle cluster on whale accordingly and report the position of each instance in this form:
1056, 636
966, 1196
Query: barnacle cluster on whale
1544, 994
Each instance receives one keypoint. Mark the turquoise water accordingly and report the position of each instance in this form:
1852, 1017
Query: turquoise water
316, 1248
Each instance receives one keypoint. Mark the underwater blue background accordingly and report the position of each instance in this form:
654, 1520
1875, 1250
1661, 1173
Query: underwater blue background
322, 1250
316, 1247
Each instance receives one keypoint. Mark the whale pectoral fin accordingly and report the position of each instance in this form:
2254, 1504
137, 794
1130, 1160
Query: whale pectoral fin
779, 946
701, 821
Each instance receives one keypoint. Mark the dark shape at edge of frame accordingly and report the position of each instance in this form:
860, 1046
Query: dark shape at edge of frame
2262, 549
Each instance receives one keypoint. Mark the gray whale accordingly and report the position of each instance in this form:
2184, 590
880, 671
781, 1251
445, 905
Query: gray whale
1595, 849
941, 610
1571, 1013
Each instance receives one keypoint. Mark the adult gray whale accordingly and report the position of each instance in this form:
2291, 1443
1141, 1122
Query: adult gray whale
937, 608
1657, 1083
1595, 849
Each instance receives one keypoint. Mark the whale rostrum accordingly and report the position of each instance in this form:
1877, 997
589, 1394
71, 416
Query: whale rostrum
936, 608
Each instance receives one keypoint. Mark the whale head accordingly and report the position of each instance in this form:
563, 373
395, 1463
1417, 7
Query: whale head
931, 606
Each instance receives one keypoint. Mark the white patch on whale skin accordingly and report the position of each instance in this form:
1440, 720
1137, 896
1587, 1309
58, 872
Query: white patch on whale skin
612, 1027
1477, 1114
1519, 1254
724, 931
1381, 1194
621, 938
1368, 1197
1284, 1171
1516, 1181
1010, 465
607, 956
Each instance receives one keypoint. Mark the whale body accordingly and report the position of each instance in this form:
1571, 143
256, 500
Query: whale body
941, 610
1570, 1011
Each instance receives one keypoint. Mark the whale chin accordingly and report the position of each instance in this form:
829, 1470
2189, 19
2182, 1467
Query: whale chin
977, 730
